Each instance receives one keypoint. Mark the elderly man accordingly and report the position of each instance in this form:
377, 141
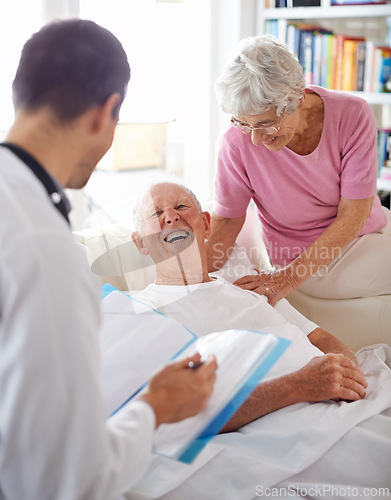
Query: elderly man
316, 368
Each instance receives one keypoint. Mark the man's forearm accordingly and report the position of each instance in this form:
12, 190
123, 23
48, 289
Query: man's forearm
333, 376
267, 397
327, 343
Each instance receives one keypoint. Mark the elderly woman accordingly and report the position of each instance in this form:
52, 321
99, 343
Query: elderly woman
308, 158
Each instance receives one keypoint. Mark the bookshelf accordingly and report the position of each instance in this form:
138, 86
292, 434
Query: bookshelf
335, 21
325, 11
369, 21
374, 98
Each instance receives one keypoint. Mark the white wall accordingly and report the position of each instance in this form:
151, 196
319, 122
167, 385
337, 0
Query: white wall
54, 9
219, 25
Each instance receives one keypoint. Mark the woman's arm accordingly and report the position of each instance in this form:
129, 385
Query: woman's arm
222, 239
350, 219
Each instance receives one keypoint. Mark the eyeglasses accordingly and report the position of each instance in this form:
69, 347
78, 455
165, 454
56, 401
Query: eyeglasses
269, 129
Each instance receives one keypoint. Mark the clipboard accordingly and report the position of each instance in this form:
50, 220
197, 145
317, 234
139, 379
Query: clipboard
136, 341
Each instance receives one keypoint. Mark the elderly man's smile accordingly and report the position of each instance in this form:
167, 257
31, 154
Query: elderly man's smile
176, 236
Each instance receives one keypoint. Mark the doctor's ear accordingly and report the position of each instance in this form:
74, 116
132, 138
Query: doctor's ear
103, 116
138, 241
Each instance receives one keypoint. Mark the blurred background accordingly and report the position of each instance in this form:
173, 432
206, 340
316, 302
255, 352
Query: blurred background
170, 119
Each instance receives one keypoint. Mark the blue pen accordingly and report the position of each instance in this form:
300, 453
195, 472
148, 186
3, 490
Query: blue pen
193, 366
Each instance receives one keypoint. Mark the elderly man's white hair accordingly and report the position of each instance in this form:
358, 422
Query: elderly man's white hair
263, 75
138, 206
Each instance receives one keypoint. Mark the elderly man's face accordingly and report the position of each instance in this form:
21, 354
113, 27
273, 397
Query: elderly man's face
171, 221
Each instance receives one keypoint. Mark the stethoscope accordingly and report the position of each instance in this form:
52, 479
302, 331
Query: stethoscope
46, 180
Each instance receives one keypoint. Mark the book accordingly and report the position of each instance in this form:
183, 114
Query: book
381, 67
271, 27
348, 64
311, 44
306, 55
368, 68
305, 3
317, 59
332, 61
338, 66
360, 65
346, 47
357, 2
324, 60
270, 4
383, 147
282, 25
277, 28
292, 38
136, 341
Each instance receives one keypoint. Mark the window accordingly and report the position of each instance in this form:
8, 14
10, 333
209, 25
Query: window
152, 34
168, 47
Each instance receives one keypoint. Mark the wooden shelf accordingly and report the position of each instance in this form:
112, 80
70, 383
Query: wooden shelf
380, 98
384, 184
327, 12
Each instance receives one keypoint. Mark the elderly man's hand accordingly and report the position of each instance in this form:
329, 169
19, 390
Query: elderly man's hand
274, 284
332, 376
177, 392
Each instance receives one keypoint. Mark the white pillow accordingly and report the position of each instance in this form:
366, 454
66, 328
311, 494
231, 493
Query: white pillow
115, 259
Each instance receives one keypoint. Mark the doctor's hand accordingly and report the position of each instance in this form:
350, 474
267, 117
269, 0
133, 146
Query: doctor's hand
274, 284
177, 392
332, 376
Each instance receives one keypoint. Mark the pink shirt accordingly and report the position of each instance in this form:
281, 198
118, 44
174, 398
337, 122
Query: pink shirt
297, 196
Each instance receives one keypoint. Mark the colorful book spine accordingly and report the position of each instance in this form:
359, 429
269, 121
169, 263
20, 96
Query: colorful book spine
381, 68
317, 59
339, 62
368, 67
348, 58
360, 64
306, 55
357, 2
383, 147
331, 62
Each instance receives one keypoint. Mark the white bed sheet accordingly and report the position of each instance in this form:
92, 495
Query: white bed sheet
323, 443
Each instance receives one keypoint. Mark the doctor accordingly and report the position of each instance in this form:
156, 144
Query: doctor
55, 442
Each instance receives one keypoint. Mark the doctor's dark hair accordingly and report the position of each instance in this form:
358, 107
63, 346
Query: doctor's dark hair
70, 66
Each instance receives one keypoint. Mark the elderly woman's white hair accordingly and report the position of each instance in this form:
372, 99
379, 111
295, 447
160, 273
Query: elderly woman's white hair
263, 75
